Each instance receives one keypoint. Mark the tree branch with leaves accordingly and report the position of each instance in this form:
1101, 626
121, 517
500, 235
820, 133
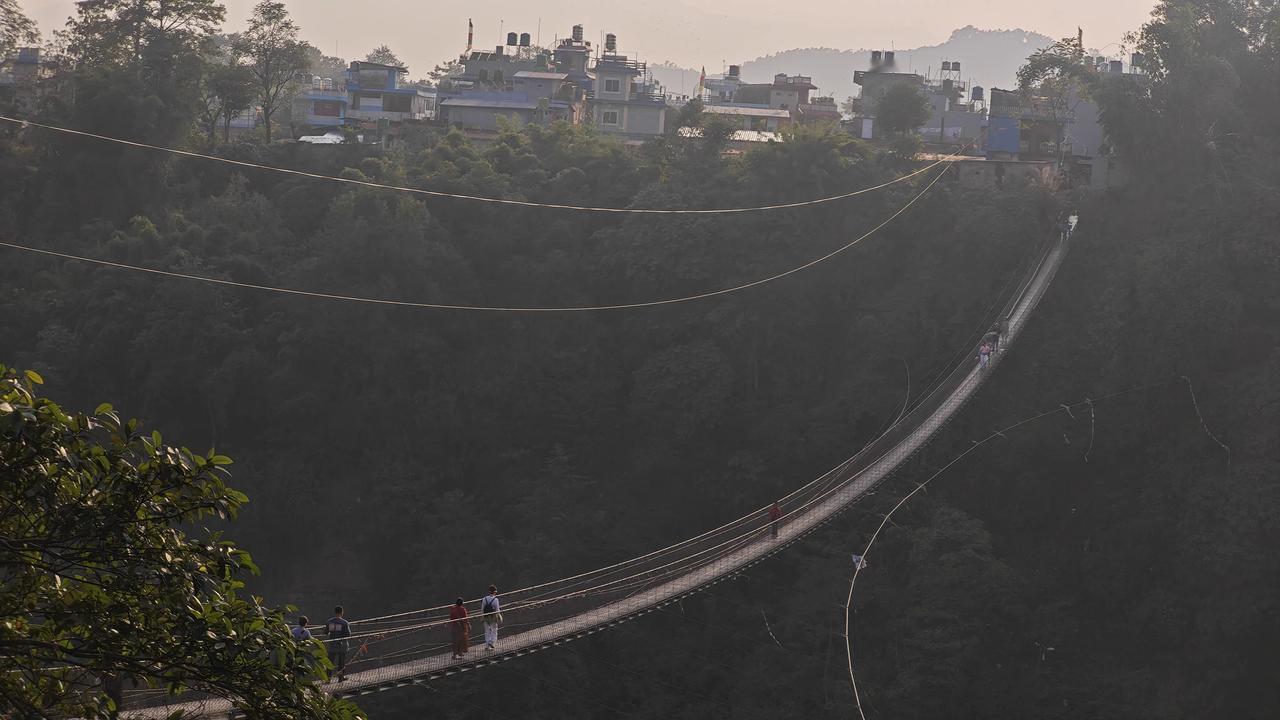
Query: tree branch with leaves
102, 584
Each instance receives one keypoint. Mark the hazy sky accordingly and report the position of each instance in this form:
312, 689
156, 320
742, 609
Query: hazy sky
692, 33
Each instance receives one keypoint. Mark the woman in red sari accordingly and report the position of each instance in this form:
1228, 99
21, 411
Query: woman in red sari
460, 626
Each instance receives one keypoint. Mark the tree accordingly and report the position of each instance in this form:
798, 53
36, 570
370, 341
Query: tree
444, 71
690, 115
273, 54
15, 28
383, 55
226, 91
902, 108
102, 585
135, 30
323, 65
1060, 62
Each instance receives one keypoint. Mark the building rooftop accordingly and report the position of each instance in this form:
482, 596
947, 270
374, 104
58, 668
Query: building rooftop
748, 111
378, 66
486, 103
760, 136
535, 75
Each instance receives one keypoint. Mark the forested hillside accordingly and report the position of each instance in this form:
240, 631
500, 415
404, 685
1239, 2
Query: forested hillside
1112, 562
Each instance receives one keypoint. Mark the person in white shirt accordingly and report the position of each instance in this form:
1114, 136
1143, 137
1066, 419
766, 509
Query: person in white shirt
491, 615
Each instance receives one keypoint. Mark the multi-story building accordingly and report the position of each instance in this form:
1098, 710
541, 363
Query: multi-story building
377, 92
624, 100
723, 90
521, 85
954, 119
495, 70
786, 92
1066, 129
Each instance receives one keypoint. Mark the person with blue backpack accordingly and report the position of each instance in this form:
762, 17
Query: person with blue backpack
491, 616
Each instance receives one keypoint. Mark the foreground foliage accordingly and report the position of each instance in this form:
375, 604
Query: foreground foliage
102, 590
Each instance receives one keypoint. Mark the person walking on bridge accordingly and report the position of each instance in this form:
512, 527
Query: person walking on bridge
775, 519
338, 630
460, 628
300, 631
992, 338
491, 615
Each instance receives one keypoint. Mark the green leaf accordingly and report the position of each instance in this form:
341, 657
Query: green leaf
34, 377
103, 409
220, 460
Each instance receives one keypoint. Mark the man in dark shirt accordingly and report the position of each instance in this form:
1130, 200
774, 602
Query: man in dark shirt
338, 630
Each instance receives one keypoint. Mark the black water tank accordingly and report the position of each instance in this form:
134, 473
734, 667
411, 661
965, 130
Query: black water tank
513, 39
525, 40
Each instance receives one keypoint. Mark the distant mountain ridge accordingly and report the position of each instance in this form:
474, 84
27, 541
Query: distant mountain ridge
989, 58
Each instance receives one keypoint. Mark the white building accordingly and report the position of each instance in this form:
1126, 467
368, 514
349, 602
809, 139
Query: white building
623, 100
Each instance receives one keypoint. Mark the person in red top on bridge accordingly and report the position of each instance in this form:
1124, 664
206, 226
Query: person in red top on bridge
775, 519
460, 627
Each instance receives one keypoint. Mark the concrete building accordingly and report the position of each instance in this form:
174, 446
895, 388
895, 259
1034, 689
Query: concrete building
487, 112
1066, 129
323, 103
376, 92
529, 85
955, 118
495, 70
624, 100
786, 92
572, 57
724, 90
819, 110
20, 76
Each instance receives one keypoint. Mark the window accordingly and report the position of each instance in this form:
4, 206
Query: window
483, 75
396, 103
609, 117
613, 86
497, 76
327, 108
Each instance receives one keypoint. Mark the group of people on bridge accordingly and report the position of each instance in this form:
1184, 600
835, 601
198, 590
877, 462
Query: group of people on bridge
337, 630
990, 344
460, 623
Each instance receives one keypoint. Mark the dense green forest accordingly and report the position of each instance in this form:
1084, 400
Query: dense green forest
1114, 563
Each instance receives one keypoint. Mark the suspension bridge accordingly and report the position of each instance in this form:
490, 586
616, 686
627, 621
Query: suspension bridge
413, 647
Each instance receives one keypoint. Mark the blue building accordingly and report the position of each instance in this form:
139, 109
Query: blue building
378, 92
323, 104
